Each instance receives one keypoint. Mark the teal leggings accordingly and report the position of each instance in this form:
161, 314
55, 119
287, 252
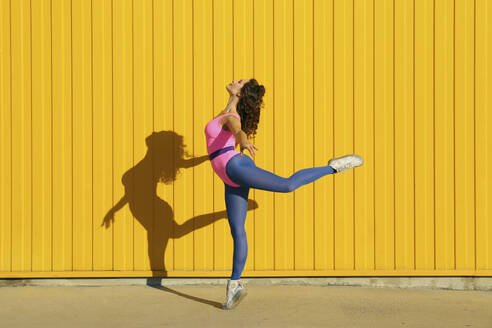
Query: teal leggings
243, 171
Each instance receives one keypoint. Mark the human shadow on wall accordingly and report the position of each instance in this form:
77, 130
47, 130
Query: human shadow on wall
164, 158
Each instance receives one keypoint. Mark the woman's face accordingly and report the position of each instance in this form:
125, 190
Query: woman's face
234, 88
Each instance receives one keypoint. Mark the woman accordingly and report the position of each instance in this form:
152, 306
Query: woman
239, 173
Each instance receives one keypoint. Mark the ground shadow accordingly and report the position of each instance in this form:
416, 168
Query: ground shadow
194, 298
164, 158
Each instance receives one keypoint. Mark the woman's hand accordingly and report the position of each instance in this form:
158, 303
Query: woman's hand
249, 146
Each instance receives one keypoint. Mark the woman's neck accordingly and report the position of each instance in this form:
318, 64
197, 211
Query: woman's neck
231, 104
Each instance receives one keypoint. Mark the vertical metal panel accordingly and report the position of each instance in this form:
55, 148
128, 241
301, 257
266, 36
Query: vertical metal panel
142, 127
123, 142
283, 99
103, 159
82, 134
21, 137
202, 218
383, 136
183, 125
303, 133
263, 70
464, 160
424, 134
323, 87
102, 115
364, 134
163, 125
41, 136
5, 138
483, 133
62, 136
343, 129
444, 153
404, 143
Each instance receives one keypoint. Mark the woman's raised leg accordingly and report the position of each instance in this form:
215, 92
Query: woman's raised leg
243, 171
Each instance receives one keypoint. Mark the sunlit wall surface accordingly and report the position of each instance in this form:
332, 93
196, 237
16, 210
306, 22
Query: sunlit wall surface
103, 166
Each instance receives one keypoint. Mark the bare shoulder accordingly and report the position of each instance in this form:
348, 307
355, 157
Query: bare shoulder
224, 121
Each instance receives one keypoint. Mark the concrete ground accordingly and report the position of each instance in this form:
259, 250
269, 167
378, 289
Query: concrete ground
264, 306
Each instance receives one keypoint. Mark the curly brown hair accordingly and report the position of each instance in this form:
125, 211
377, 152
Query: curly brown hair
249, 105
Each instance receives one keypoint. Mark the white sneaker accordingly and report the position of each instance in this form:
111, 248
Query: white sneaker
345, 162
235, 293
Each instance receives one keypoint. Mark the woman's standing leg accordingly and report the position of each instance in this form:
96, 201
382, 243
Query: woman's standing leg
236, 200
243, 171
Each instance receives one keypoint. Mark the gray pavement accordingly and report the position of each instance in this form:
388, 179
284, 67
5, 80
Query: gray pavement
264, 306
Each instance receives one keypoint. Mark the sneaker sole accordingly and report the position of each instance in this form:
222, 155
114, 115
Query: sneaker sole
236, 301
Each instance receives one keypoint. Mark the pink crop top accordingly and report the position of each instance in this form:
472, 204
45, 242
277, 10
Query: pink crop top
218, 138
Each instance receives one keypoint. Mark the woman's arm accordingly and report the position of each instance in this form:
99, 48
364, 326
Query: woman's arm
234, 125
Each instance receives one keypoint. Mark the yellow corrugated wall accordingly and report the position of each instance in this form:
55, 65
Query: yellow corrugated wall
406, 84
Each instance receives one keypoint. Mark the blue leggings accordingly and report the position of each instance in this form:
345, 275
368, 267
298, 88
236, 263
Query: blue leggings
243, 171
